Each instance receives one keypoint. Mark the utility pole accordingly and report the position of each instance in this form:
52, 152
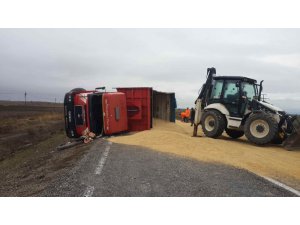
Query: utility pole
55, 100
25, 95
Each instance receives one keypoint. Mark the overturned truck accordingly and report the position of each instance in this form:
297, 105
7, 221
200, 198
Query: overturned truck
106, 113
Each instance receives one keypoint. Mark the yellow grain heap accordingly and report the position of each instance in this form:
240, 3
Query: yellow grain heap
271, 161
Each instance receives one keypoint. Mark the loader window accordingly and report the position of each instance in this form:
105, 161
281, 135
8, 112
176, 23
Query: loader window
231, 91
248, 90
217, 89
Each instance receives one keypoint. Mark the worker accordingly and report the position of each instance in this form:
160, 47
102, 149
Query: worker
185, 115
192, 117
182, 115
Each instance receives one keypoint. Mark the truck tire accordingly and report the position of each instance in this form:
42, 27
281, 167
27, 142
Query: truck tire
261, 128
213, 123
234, 133
75, 90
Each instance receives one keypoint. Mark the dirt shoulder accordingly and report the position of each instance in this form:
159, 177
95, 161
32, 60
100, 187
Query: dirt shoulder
30, 171
271, 161
29, 134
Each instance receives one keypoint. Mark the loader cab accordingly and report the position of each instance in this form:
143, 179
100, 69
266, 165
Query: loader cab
235, 93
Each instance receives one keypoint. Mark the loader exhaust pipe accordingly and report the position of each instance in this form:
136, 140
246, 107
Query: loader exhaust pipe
260, 90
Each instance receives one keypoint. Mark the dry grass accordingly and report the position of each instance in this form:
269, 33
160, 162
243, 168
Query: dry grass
272, 161
29, 135
23, 126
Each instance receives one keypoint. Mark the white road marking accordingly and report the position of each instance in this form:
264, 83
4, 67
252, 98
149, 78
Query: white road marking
288, 188
89, 191
103, 159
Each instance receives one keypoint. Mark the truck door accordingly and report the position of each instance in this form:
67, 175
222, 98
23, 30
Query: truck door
231, 97
248, 93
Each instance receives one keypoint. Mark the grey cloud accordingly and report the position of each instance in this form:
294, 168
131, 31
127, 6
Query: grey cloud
49, 62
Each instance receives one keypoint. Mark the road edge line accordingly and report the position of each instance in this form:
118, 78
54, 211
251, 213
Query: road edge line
89, 191
282, 185
103, 158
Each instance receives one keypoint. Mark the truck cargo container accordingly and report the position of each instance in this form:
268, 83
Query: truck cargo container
164, 106
139, 107
144, 104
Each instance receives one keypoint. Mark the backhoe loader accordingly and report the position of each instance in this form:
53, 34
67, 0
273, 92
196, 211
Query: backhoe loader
233, 104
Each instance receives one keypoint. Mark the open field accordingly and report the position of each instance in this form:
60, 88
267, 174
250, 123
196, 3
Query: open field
29, 135
270, 161
22, 126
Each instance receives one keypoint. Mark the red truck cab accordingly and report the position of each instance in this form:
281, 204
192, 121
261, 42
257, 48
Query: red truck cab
92, 111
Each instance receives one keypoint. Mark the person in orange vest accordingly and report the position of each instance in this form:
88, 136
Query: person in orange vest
185, 115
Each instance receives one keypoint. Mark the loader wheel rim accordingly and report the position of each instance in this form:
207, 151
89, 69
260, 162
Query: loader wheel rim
259, 128
209, 123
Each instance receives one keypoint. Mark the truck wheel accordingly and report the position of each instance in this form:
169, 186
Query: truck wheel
213, 123
234, 133
77, 90
261, 128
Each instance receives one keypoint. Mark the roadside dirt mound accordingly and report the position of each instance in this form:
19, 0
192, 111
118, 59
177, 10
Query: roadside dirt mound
271, 161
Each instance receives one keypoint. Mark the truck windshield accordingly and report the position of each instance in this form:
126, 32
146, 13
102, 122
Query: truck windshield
248, 90
79, 115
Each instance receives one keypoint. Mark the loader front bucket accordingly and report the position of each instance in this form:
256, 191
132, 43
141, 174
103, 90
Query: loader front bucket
293, 141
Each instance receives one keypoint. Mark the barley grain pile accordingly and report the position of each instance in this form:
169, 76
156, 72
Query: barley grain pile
176, 138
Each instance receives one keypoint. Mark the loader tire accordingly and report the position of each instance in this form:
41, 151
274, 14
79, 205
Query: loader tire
277, 141
279, 138
213, 123
261, 128
234, 133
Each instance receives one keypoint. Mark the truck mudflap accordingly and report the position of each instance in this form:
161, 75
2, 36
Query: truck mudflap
293, 141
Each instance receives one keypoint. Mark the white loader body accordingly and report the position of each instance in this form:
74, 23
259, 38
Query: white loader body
232, 122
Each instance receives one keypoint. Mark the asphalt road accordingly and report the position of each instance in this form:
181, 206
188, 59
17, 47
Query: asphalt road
109, 169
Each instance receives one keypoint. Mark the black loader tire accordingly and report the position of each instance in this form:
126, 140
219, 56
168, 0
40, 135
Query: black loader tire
270, 133
219, 123
234, 133
278, 140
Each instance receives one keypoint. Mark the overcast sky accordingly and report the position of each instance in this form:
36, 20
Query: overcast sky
49, 62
